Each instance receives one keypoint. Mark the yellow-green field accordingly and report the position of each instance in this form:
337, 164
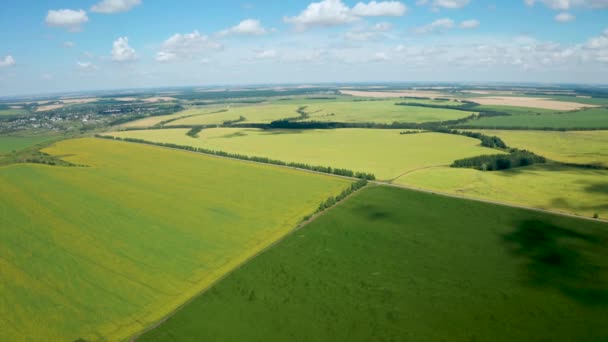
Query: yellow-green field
101, 252
265, 113
154, 120
580, 147
572, 190
379, 112
385, 153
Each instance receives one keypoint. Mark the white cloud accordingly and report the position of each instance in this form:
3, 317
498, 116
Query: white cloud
122, 52
568, 4
335, 12
379, 9
115, 6
68, 44
438, 25
564, 17
266, 54
382, 27
469, 24
7, 61
380, 57
247, 27
46, 77
67, 18
186, 45
600, 42
450, 4
85, 66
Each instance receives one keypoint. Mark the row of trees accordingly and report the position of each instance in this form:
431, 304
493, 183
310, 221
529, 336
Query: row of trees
495, 162
331, 201
322, 169
194, 131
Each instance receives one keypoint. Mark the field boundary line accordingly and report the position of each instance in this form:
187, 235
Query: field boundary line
297, 228
386, 183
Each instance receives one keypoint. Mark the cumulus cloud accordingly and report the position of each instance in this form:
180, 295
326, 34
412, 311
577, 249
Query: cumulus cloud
187, 45
568, 4
7, 61
247, 27
382, 27
469, 24
449, 4
564, 17
380, 57
438, 25
379, 9
335, 12
115, 6
85, 66
122, 52
600, 42
67, 18
68, 45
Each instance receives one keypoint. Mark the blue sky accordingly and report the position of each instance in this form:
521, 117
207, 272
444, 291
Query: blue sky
66, 45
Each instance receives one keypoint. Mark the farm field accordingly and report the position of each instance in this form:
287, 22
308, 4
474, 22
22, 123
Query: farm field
553, 187
13, 112
388, 265
252, 114
386, 153
593, 118
381, 112
533, 102
598, 101
10, 143
580, 147
514, 110
101, 252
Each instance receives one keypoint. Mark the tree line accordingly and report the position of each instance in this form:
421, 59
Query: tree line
496, 162
321, 169
331, 200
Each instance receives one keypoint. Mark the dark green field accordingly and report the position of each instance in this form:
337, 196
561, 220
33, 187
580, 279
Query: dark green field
395, 265
593, 118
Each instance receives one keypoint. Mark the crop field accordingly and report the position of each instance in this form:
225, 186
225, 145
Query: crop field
154, 120
252, 114
380, 112
533, 102
566, 189
102, 252
13, 112
13, 143
386, 153
579, 147
396, 265
593, 118
598, 101
514, 110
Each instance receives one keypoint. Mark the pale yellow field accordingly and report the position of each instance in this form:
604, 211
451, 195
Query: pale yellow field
571, 190
391, 94
386, 153
253, 114
153, 120
49, 107
532, 102
580, 147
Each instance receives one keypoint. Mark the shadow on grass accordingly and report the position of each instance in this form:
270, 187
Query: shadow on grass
281, 131
569, 261
597, 188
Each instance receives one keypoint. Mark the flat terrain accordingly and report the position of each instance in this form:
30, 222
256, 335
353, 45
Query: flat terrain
389, 94
580, 147
571, 190
396, 265
101, 252
533, 102
154, 120
386, 153
380, 112
14, 143
594, 118
253, 114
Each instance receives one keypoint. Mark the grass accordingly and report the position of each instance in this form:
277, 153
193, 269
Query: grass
385, 153
381, 112
101, 252
514, 110
154, 120
13, 112
580, 147
572, 190
397, 265
265, 113
15, 143
592, 118
598, 101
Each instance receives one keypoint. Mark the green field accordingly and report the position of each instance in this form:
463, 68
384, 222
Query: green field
593, 118
154, 120
386, 153
553, 187
514, 110
580, 147
598, 101
101, 252
380, 112
13, 112
14, 143
397, 265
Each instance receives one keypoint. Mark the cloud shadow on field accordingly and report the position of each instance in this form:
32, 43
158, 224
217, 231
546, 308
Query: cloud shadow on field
573, 262
281, 131
597, 188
